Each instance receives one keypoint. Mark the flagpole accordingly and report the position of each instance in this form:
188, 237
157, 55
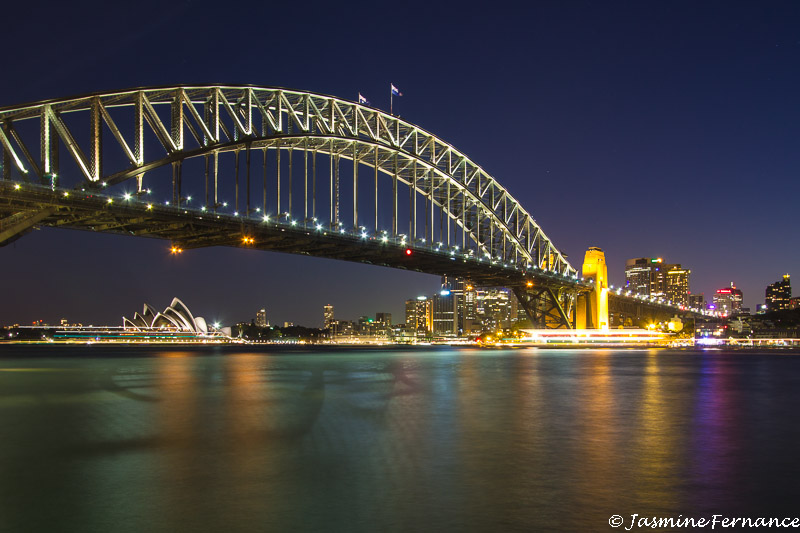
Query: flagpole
391, 100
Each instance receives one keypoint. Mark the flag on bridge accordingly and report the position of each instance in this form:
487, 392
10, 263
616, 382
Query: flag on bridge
362, 100
392, 93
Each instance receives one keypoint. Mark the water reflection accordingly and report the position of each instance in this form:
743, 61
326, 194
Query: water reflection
390, 440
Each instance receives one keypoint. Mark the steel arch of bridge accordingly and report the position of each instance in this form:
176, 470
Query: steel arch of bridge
205, 122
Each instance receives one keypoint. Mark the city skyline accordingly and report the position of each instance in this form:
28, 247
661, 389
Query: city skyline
607, 97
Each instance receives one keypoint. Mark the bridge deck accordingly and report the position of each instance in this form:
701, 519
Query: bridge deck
192, 228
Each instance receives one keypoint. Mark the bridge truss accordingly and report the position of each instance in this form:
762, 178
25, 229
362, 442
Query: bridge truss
210, 165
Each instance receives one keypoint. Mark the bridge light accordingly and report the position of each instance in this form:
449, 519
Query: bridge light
110, 200
17, 186
266, 218
294, 222
149, 207
529, 284
66, 194
175, 250
319, 227
408, 251
188, 198
236, 213
127, 196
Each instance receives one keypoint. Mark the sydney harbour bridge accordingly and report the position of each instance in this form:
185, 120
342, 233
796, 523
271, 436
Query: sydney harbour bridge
291, 171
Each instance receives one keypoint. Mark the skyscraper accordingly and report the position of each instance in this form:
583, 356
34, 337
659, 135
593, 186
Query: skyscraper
677, 284
779, 294
645, 275
650, 276
261, 318
445, 315
327, 316
419, 316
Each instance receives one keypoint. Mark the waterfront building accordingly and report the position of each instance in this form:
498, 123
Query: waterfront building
261, 318
327, 316
779, 294
728, 300
385, 319
174, 324
419, 316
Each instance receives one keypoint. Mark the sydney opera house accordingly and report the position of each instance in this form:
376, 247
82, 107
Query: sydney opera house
174, 324
175, 318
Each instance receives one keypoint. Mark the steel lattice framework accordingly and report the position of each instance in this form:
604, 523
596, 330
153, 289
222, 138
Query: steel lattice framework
303, 173
449, 194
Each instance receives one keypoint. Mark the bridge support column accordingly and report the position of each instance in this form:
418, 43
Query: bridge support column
592, 309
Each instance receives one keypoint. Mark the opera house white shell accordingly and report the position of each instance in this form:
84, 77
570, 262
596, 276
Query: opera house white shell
176, 317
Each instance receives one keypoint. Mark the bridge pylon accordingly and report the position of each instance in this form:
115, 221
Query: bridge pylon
592, 307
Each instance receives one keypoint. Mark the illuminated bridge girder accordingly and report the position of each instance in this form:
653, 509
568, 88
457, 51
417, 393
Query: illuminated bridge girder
201, 165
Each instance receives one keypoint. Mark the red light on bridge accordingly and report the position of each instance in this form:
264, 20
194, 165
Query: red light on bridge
408, 251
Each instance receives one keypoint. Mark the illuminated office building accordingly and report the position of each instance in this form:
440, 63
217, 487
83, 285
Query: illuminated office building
261, 318
327, 316
419, 316
779, 295
728, 301
445, 317
650, 276
676, 281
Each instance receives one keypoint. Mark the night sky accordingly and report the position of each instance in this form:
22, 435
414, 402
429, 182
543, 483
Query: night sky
664, 129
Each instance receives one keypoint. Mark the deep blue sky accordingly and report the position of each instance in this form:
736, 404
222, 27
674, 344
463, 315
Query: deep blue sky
667, 129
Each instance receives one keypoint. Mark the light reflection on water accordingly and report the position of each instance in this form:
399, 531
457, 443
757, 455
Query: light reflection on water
102, 439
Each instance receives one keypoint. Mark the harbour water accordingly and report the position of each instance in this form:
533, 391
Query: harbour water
105, 438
